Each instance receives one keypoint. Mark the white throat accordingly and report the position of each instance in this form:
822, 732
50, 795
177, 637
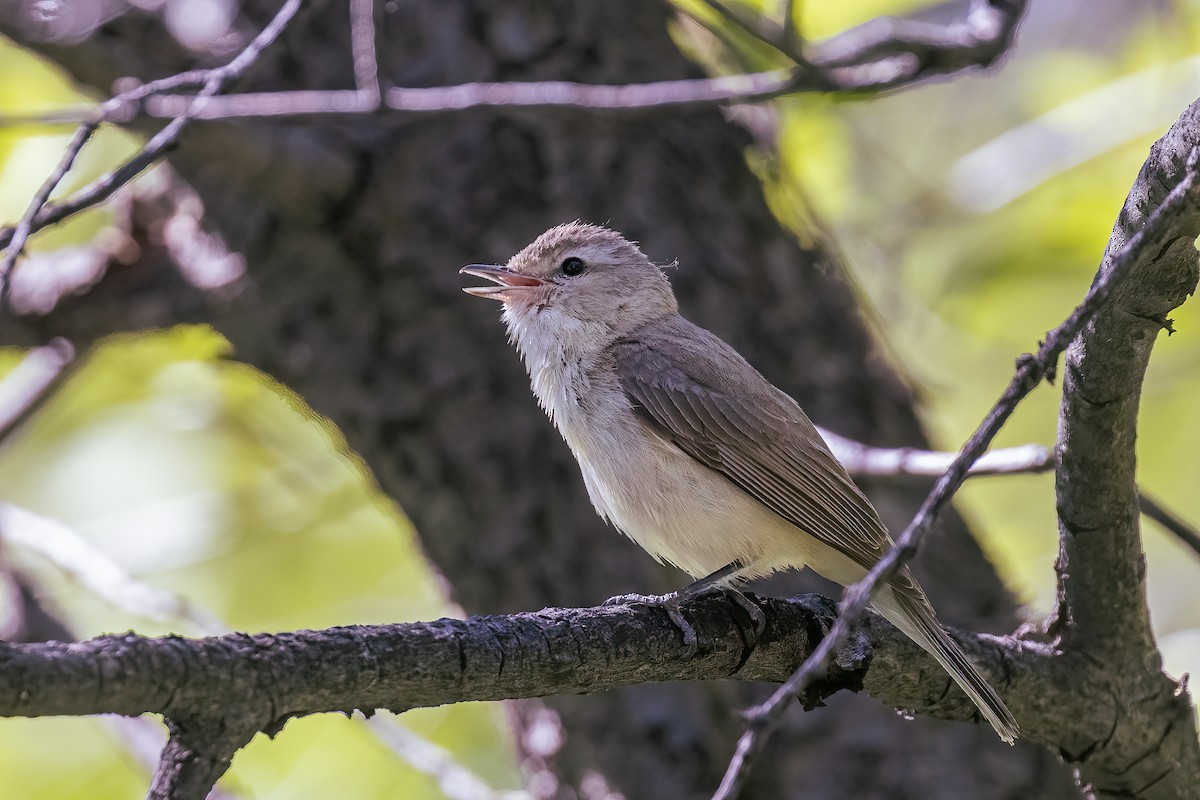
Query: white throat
559, 351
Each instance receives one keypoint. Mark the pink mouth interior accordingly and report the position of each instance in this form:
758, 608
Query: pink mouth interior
513, 279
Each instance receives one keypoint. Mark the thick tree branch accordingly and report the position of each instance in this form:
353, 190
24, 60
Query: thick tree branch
1102, 609
263, 680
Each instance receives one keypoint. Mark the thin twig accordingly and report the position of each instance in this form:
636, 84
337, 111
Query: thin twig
41, 213
114, 108
363, 99
864, 460
66, 115
27, 387
763, 719
17, 244
362, 47
122, 107
739, 88
1169, 520
258, 105
760, 27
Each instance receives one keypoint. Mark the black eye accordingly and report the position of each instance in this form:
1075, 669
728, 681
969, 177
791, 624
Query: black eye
572, 266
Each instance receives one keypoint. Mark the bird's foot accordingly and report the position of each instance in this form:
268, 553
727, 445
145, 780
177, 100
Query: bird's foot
751, 608
671, 603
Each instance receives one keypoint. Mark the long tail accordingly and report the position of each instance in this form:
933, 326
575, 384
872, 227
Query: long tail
910, 611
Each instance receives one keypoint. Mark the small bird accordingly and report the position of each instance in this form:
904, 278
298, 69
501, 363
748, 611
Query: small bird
685, 447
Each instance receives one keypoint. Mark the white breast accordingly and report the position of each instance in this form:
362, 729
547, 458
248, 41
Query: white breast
672, 506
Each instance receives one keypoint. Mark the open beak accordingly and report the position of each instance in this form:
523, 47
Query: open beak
510, 285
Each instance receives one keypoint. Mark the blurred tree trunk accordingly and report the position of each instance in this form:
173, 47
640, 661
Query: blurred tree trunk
353, 229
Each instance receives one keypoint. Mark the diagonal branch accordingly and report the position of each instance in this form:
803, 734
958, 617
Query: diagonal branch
1163, 212
776, 34
42, 213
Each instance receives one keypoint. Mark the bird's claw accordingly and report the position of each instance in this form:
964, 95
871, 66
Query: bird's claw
752, 610
670, 603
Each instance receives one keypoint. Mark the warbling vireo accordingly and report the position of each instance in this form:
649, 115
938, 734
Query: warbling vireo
685, 447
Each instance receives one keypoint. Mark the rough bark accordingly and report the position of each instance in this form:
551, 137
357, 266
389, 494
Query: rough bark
237, 682
1102, 614
354, 230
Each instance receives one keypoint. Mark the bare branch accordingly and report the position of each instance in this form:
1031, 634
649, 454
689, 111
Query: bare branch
272, 104
787, 22
110, 582
740, 88
362, 47
1102, 610
861, 459
41, 213
886, 53
122, 107
864, 460
1176, 216
16, 245
272, 677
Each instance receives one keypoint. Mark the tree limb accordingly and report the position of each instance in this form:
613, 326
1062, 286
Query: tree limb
1102, 611
269, 678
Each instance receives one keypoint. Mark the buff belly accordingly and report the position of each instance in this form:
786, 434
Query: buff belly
688, 515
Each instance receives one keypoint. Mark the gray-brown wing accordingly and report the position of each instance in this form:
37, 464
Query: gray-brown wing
764, 444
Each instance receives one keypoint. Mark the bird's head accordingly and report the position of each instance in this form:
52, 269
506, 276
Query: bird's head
582, 284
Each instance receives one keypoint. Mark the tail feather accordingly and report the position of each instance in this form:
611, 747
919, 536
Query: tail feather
911, 612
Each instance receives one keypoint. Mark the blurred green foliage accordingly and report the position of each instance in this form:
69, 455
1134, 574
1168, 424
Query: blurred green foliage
201, 476
973, 213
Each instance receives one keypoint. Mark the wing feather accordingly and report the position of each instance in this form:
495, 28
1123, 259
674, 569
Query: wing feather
754, 435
